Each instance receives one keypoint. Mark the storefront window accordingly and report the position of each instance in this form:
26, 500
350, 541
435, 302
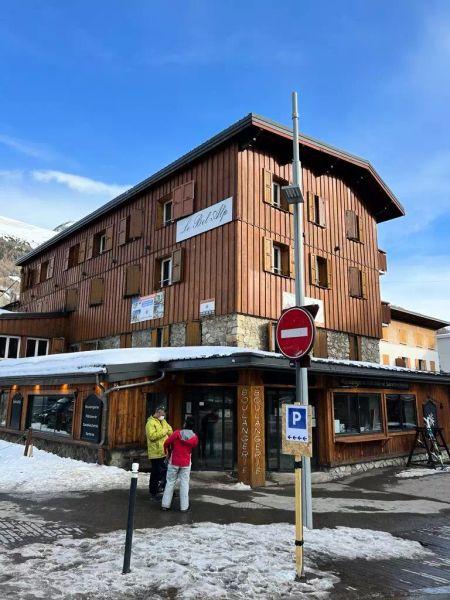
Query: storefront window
401, 411
53, 414
3, 408
356, 413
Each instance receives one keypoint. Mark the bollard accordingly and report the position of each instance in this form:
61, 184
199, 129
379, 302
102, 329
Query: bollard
130, 521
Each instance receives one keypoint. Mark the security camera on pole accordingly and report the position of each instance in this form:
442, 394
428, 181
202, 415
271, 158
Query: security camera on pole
295, 336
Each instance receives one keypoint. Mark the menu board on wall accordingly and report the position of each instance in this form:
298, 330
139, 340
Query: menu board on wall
91, 419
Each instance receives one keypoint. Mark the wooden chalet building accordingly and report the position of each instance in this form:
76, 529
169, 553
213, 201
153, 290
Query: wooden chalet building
200, 254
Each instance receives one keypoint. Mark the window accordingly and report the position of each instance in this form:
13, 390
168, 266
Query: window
357, 283
36, 347
167, 212
356, 414
402, 361
169, 270
9, 346
130, 227
99, 243
354, 343
276, 259
401, 411
102, 243
53, 414
421, 364
316, 209
352, 226
3, 407
160, 337
166, 272
320, 271
30, 277
272, 190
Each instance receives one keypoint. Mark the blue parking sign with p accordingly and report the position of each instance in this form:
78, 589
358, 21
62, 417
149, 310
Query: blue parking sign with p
297, 423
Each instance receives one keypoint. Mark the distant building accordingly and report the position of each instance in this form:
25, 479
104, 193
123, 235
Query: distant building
443, 344
410, 339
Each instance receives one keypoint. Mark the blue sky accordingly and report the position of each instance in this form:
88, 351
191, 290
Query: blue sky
95, 96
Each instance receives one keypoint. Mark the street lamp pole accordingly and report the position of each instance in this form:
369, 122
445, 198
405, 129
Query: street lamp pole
301, 374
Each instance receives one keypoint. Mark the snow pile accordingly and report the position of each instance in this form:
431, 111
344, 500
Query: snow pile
205, 561
240, 487
48, 473
18, 230
410, 473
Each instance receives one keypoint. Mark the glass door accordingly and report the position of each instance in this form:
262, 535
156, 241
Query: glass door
276, 460
213, 412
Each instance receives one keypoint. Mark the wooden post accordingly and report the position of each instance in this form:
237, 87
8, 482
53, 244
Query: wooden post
250, 431
28, 451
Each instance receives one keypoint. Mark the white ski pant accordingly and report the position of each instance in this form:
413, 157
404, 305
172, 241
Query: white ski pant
175, 474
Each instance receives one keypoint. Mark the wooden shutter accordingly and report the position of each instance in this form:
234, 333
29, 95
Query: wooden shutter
96, 292
132, 280
154, 337
354, 284
320, 349
82, 251
310, 202
267, 254
350, 224
313, 274
386, 360
125, 340
71, 299
123, 231
417, 364
177, 202
50, 267
385, 313
363, 277
193, 333
291, 263
399, 362
160, 212
432, 365
136, 222
360, 229
90, 247
382, 261
177, 265
271, 341
188, 198
109, 238
166, 336
38, 273
329, 274
66, 259
322, 213
57, 345
267, 186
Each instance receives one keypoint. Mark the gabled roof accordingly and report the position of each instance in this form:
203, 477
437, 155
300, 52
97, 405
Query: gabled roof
392, 208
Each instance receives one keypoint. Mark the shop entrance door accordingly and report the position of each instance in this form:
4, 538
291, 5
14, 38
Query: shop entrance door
213, 412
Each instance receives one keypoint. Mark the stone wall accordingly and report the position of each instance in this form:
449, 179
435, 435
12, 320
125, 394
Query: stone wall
108, 342
141, 339
178, 334
370, 349
338, 345
235, 330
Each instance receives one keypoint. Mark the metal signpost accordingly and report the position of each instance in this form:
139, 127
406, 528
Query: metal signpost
298, 336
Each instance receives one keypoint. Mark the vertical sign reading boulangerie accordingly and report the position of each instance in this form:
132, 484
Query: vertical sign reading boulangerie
251, 455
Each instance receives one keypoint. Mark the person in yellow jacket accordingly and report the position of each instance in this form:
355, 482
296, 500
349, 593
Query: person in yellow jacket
157, 430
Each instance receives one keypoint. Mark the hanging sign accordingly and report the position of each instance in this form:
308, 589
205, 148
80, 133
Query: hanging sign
145, 308
296, 430
204, 220
91, 419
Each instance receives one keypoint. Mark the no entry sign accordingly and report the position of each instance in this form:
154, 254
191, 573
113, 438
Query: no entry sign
295, 332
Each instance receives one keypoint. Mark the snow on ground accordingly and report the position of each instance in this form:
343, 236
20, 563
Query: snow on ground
205, 561
18, 230
409, 473
47, 473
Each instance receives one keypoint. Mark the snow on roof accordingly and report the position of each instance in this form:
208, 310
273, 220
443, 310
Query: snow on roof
97, 361
18, 230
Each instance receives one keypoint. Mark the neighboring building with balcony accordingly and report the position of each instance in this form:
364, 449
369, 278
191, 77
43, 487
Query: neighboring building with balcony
410, 339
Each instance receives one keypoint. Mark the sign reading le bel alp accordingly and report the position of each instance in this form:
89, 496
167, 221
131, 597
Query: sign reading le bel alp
297, 423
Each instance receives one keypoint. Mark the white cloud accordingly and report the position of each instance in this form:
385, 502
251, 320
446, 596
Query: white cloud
32, 149
81, 184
